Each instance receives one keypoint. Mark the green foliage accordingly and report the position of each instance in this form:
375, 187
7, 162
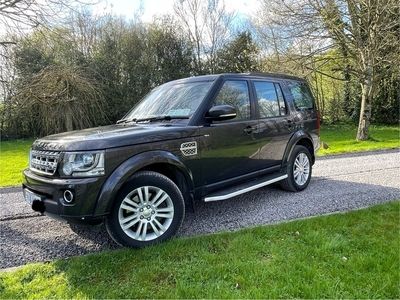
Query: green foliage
337, 92
93, 72
134, 58
351, 255
53, 89
239, 56
171, 56
386, 104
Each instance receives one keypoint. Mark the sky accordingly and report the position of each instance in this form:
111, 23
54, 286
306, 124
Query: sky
158, 7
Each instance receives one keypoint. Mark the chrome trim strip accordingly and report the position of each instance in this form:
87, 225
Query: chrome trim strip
227, 115
251, 188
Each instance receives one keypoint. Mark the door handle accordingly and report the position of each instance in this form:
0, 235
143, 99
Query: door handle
290, 123
249, 129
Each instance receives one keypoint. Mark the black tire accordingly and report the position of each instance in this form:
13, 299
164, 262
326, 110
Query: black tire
149, 209
299, 170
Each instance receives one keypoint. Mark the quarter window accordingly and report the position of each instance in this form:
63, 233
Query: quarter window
235, 93
270, 99
301, 95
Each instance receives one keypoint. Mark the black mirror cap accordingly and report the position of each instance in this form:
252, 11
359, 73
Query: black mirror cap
221, 113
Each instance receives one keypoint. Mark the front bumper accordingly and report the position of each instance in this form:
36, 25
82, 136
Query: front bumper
47, 195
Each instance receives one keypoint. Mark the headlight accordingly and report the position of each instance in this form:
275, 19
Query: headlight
82, 164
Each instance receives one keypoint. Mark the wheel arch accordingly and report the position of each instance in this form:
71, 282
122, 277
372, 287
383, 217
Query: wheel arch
162, 162
302, 138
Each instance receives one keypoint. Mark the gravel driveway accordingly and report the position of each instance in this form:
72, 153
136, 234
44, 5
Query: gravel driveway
340, 183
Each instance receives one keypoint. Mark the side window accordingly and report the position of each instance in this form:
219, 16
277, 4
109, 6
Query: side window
270, 99
236, 94
301, 95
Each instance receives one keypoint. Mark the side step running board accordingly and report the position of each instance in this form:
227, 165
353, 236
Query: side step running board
243, 188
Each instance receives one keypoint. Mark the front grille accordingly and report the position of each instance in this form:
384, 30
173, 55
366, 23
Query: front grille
44, 162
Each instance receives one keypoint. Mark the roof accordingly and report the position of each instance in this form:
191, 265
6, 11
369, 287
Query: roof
213, 77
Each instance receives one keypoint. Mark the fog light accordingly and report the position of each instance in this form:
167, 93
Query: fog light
68, 196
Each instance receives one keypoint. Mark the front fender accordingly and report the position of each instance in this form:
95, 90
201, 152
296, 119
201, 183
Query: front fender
121, 174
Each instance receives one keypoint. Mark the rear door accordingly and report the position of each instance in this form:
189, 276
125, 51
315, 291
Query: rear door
276, 125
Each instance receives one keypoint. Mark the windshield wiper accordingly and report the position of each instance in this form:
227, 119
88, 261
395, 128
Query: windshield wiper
124, 121
160, 118
151, 119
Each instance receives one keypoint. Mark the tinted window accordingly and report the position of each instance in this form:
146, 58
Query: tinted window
301, 95
236, 94
270, 99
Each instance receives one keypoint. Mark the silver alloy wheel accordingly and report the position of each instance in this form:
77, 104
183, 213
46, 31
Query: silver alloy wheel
301, 169
146, 213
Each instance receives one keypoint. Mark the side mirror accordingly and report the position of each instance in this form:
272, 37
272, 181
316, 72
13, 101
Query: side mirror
221, 113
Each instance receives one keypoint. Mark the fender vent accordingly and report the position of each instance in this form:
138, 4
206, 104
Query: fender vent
189, 149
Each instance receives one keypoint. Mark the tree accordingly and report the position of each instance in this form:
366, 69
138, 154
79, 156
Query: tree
64, 99
27, 14
132, 58
87, 73
207, 24
17, 19
172, 54
362, 30
240, 55
54, 89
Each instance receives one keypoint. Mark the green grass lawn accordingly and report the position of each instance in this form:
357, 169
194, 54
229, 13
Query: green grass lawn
14, 154
14, 158
351, 255
341, 138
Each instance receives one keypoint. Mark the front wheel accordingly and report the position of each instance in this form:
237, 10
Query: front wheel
148, 209
299, 170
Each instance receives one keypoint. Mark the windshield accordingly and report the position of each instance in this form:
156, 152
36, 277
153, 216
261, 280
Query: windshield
170, 101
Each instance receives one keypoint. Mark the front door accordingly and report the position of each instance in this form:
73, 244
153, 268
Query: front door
229, 149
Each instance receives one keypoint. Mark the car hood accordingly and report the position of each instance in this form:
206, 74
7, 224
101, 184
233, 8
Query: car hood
112, 136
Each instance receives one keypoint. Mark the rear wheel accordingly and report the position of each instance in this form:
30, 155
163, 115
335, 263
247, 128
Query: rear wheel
149, 209
299, 170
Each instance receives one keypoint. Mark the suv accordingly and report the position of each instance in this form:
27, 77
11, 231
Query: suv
204, 138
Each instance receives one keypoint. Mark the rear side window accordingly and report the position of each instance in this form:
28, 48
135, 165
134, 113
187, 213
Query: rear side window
270, 99
302, 96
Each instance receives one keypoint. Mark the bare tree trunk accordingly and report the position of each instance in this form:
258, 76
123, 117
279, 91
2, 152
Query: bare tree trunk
365, 115
366, 105
68, 119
